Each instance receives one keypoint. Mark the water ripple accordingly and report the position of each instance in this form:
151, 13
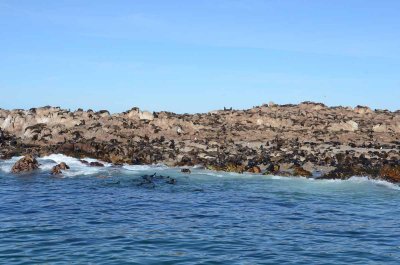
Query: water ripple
206, 218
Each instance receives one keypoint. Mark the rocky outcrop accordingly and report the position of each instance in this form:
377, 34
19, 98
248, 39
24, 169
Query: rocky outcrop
255, 170
186, 171
25, 164
57, 170
349, 126
390, 173
301, 172
331, 142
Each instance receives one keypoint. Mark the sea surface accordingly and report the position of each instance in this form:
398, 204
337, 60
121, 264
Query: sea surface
105, 216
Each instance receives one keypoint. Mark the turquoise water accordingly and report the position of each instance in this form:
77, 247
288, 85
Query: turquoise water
102, 216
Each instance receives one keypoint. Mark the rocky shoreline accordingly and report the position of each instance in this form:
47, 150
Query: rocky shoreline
308, 139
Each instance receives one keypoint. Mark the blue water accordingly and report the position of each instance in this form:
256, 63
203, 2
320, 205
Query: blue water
101, 216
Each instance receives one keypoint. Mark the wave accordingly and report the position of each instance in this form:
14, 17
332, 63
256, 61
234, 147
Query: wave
377, 182
77, 168
6, 165
46, 163
144, 167
351, 180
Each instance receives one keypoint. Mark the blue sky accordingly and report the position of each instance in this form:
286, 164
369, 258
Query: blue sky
196, 56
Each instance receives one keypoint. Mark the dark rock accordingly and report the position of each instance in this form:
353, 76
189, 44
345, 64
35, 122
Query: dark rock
390, 173
56, 170
299, 171
272, 168
96, 164
347, 171
63, 166
186, 170
255, 169
25, 164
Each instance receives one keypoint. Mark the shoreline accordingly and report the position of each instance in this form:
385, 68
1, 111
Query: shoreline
79, 167
308, 139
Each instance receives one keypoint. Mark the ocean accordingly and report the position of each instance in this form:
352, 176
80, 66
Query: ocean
92, 215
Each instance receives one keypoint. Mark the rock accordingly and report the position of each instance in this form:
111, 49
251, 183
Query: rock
255, 169
273, 168
25, 164
136, 113
390, 173
63, 166
301, 172
346, 171
380, 128
145, 115
96, 164
186, 170
362, 110
56, 170
234, 168
349, 126
312, 134
84, 162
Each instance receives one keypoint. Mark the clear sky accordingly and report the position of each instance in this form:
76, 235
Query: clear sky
200, 55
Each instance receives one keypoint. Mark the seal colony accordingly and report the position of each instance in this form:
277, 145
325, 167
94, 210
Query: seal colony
308, 139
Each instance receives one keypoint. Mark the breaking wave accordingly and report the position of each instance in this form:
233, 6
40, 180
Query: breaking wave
77, 168
144, 167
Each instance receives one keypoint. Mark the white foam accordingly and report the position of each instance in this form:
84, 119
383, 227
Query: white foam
213, 174
77, 168
356, 180
144, 167
377, 182
352, 180
6, 165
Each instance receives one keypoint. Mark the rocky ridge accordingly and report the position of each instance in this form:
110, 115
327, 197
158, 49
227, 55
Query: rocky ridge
309, 139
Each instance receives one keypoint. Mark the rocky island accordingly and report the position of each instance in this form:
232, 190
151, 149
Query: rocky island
308, 139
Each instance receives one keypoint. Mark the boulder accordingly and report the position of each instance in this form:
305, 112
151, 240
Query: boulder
96, 164
186, 170
136, 113
25, 164
362, 110
273, 168
255, 169
234, 168
301, 172
349, 126
390, 173
146, 116
63, 166
56, 170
